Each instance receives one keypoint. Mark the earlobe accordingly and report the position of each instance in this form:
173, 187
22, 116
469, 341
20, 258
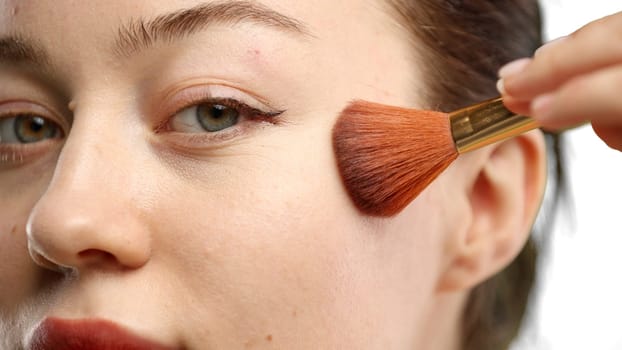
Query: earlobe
504, 185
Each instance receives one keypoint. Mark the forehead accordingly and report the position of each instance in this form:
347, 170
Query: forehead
97, 13
68, 23
353, 40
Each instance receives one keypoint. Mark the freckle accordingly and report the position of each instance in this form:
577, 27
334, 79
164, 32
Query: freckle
14, 230
254, 52
294, 313
269, 337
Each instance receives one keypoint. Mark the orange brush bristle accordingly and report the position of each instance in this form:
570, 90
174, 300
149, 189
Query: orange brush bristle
387, 155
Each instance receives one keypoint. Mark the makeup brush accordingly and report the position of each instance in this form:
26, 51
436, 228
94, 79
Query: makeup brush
387, 155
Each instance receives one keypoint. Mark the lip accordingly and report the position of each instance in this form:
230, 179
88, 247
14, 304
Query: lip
91, 334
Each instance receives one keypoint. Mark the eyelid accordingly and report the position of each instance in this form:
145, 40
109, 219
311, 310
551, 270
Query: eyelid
14, 155
14, 108
18, 154
253, 113
196, 94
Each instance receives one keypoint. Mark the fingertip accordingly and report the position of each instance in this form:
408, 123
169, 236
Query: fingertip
516, 106
610, 135
509, 77
513, 68
501, 87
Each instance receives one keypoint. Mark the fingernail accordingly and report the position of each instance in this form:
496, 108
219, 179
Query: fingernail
549, 45
541, 106
501, 86
513, 67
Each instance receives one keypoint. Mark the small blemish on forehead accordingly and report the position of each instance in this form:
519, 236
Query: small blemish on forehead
253, 54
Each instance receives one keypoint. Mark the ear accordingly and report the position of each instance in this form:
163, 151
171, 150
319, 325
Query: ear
503, 186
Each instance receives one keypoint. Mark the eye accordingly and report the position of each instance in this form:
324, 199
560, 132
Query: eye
208, 116
27, 128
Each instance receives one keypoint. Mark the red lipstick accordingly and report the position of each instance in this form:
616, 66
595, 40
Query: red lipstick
90, 334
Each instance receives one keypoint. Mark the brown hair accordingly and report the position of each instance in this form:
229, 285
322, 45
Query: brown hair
462, 44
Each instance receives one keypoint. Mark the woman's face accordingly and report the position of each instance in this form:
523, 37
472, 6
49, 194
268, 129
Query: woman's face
167, 166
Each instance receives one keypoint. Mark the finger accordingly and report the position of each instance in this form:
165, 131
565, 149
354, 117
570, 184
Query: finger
595, 46
517, 106
594, 97
611, 135
549, 45
511, 103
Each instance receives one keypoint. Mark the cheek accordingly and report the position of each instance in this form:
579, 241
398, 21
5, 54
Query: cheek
271, 233
20, 189
278, 246
16, 270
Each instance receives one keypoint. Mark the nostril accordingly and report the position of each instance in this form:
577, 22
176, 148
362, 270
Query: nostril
48, 264
97, 257
83, 237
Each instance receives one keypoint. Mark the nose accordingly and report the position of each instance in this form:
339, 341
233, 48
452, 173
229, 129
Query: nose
90, 216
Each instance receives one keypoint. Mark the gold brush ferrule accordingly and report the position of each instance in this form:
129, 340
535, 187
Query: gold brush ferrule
479, 125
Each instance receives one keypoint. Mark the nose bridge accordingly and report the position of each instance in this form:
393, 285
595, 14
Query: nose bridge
96, 152
88, 215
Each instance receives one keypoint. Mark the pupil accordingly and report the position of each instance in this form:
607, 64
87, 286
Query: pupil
218, 111
36, 124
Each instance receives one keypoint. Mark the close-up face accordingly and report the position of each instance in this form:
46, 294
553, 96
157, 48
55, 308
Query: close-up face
166, 166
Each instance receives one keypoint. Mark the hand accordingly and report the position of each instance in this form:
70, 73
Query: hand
572, 80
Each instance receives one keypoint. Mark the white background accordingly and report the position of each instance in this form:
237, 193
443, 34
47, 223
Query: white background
579, 302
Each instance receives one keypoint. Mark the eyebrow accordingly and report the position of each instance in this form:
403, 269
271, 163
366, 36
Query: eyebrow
140, 34
17, 49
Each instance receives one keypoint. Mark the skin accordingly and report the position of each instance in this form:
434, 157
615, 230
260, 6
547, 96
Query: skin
572, 80
243, 241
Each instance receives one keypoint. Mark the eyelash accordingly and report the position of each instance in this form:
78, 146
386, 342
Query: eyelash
193, 99
245, 110
15, 154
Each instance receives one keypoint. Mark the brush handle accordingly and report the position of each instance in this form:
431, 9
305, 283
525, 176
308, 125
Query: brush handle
479, 125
